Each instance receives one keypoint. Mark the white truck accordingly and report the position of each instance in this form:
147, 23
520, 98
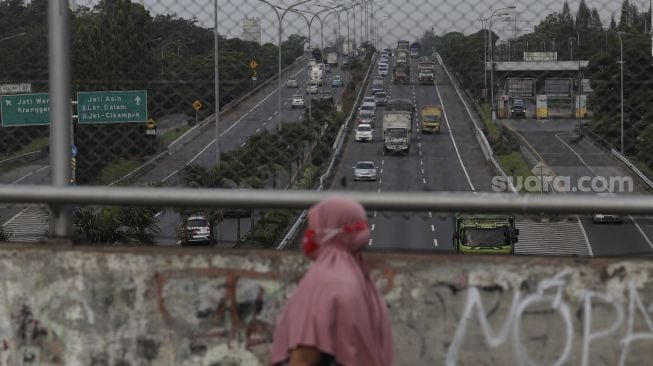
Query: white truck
316, 73
332, 59
396, 131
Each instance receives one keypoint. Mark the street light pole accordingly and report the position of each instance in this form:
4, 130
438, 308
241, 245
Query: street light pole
217, 84
621, 62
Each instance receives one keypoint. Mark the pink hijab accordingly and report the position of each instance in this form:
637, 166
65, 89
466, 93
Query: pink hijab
336, 307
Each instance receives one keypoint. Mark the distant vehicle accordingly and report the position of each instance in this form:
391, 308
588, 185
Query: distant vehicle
430, 118
369, 106
485, 234
380, 98
327, 68
415, 50
198, 230
377, 88
400, 74
365, 170
298, 101
292, 82
369, 99
364, 132
316, 73
397, 131
331, 57
377, 79
403, 45
311, 62
402, 57
366, 116
326, 95
599, 218
388, 51
336, 81
347, 48
517, 111
312, 88
383, 71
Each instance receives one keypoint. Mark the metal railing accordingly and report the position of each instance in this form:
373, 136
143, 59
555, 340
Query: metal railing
293, 199
632, 167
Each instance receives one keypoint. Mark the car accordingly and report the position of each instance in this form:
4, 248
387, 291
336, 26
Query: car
383, 65
380, 98
364, 132
377, 79
370, 106
366, 116
383, 72
517, 111
312, 88
336, 81
197, 231
292, 82
298, 101
599, 218
365, 170
311, 62
369, 99
326, 95
377, 87
327, 68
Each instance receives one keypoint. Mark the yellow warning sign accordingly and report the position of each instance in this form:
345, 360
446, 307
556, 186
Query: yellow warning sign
253, 64
151, 123
197, 105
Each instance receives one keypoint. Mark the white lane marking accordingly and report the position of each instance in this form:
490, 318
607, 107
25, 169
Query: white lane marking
424, 180
435, 242
264, 123
31, 173
381, 170
382, 162
420, 153
243, 144
300, 118
430, 214
258, 130
169, 176
432, 227
422, 171
421, 162
577, 155
639, 228
587, 239
373, 226
446, 120
15, 216
419, 144
270, 118
378, 190
370, 242
158, 214
275, 113
200, 153
374, 214
380, 180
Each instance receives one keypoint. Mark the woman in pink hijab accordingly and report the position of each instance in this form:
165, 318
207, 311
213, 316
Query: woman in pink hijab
336, 316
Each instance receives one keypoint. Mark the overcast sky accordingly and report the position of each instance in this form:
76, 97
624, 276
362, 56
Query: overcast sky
397, 19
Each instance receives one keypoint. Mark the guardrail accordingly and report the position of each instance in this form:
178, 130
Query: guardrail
480, 135
337, 145
632, 167
196, 130
21, 156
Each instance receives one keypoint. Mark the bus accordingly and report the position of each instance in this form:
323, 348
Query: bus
415, 50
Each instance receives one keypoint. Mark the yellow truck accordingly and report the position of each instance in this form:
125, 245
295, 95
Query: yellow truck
430, 117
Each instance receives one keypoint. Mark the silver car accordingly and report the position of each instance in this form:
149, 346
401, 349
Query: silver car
311, 88
197, 231
365, 170
292, 82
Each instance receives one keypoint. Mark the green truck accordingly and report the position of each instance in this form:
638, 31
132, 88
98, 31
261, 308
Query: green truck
485, 234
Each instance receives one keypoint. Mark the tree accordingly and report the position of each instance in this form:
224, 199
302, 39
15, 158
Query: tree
116, 225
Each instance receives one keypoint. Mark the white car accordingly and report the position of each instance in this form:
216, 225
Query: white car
370, 100
383, 72
311, 88
383, 64
598, 218
364, 133
197, 231
297, 101
365, 170
292, 82
368, 106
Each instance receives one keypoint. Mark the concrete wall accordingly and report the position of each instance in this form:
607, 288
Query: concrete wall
201, 307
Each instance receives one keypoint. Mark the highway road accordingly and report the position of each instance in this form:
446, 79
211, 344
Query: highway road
450, 161
554, 141
255, 116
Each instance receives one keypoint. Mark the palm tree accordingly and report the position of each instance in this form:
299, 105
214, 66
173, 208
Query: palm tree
197, 177
114, 225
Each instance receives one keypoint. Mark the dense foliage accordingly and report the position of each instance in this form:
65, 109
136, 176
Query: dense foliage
119, 45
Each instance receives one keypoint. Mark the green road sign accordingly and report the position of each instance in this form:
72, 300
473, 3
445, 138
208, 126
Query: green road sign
25, 109
112, 106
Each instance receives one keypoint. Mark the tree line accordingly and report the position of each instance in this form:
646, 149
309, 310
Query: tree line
120, 45
584, 35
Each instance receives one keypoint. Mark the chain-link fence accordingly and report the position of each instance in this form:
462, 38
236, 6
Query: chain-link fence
144, 90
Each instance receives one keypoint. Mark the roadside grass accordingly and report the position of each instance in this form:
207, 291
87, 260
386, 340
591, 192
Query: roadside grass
116, 170
36, 144
172, 135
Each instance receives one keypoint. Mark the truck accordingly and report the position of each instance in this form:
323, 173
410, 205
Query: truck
426, 71
415, 50
403, 45
332, 58
347, 48
402, 57
430, 119
484, 234
396, 131
400, 74
316, 73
